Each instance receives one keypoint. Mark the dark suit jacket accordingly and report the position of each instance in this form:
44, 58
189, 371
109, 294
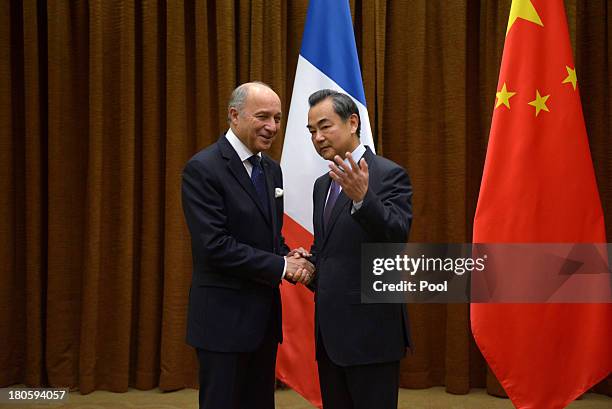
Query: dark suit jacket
237, 251
355, 333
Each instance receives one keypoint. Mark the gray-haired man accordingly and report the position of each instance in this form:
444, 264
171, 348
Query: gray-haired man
235, 220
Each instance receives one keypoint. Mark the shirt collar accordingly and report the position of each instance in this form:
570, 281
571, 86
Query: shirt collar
241, 149
358, 152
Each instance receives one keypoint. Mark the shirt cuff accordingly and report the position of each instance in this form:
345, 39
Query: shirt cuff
284, 268
356, 206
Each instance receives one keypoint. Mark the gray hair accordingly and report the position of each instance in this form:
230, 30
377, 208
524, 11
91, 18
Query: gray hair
343, 104
240, 94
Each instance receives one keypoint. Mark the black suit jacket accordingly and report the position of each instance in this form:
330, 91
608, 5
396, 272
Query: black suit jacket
237, 251
355, 333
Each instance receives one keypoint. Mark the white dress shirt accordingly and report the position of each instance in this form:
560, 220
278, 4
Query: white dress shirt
244, 153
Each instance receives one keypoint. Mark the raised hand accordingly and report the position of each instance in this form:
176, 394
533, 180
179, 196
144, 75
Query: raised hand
352, 178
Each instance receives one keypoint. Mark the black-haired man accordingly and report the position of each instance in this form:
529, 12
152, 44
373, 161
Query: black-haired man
364, 198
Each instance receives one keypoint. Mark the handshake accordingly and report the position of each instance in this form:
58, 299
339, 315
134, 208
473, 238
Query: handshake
299, 269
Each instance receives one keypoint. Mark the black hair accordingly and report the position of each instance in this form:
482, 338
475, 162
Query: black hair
343, 104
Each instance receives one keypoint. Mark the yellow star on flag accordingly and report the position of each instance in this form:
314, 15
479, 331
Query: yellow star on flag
571, 77
523, 9
503, 96
540, 102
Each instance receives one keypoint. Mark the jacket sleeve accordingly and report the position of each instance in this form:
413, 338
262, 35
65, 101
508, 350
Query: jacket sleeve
203, 206
387, 214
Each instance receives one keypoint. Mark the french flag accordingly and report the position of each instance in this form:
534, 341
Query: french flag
328, 59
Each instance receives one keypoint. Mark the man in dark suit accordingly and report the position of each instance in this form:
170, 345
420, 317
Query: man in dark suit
364, 198
233, 204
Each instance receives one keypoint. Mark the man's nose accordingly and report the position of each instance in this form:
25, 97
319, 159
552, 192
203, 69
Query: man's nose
318, 136
271, 124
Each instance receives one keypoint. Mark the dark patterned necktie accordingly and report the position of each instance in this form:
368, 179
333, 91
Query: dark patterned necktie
259, 181
334, 192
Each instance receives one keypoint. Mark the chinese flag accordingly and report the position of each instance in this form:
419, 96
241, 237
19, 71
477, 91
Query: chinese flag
538, 185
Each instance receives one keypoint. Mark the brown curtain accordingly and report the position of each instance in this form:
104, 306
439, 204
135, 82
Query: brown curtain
102, 102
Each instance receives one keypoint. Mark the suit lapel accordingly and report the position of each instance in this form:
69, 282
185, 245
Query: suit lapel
320, 195
339, 207
340, 204
270, 189
236, 167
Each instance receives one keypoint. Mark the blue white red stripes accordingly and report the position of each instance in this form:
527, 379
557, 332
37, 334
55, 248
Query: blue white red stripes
328, 59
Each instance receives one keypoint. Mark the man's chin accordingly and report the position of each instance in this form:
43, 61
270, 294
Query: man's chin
264, 144
327, 154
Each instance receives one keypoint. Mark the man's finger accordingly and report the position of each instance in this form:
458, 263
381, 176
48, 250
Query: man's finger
302, 252
341, 164
298, 252
354, 165
309, 267
306, 278
298, 275
336, 171
336, 167
363, 165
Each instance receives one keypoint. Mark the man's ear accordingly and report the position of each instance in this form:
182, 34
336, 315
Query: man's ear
232, 114
354, 121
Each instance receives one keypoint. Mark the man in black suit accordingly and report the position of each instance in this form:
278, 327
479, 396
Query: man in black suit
233, 204
364, 198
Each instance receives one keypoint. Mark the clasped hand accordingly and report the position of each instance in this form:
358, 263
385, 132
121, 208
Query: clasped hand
299, 269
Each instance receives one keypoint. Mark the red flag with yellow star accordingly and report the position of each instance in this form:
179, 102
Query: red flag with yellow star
538, 185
